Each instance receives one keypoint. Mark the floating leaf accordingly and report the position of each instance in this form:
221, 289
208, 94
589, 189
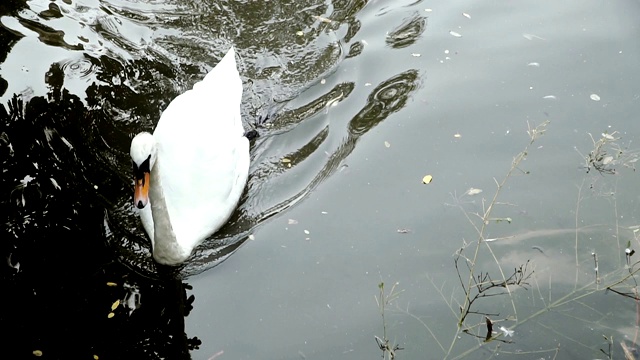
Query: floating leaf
427, 179
115, 305
37, 353
110, 283
111, 315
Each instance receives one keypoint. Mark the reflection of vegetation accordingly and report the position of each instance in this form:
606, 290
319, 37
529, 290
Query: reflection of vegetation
60, 176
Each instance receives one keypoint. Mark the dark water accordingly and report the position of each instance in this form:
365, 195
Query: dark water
363, 99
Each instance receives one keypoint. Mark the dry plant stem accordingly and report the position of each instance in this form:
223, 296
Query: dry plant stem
577, 221
533, 133
384, 344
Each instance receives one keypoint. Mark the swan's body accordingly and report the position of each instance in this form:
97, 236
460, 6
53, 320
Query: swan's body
194, 166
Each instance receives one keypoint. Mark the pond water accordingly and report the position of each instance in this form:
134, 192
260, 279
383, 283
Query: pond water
364, 100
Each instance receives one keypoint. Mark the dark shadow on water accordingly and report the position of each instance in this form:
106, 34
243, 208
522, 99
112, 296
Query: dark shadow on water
64, 295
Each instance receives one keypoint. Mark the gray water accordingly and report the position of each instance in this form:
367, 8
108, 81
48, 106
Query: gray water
364, 99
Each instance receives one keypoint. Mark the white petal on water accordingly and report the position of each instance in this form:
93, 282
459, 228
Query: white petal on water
595, 97
415, 55
466, 15
536, 64
607, 160
549, 97
453, 33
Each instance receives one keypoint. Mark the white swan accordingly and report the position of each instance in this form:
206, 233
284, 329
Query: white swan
191, 172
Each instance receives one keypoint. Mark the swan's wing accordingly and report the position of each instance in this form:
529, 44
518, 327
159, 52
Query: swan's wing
203, 155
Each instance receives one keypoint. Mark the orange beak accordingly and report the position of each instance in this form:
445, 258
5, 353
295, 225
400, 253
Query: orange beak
141, 193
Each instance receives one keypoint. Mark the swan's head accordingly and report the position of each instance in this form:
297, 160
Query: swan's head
143, 153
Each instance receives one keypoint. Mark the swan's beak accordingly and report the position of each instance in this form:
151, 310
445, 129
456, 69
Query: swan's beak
141, 193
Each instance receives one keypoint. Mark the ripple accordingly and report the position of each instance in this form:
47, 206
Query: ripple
408, 32
78, 68
388, 97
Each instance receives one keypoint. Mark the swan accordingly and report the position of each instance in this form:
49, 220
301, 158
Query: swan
190, 174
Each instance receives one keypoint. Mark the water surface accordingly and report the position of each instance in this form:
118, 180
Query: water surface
364, 98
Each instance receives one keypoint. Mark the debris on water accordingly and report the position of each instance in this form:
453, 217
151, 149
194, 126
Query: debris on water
292, 221
403, 231
473, 191
415, 55
455, 34
531, 37
387, 144
306, 232
428, 10
549, 97
323, 212
595, 97
252, 237
607, 160
457, 135
55, 183
466, 15
115, 305
539, 248
323, 19
299, 33
535, 64
427, 179
111, 314
506, 332
110, 283
37, 353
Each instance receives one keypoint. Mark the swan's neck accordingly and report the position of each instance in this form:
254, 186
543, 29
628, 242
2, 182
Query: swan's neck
166, 249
